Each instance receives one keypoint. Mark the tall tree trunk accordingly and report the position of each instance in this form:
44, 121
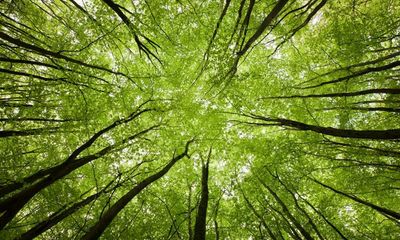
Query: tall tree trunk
96, 231
359, 73
45, 52
200, 225
190, 230
142, 47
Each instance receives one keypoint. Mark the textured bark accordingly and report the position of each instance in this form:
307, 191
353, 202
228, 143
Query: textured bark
108, 216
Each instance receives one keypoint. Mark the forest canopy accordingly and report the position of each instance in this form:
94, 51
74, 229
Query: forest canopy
185, 119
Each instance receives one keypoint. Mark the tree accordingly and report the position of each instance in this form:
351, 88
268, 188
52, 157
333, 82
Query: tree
199, 119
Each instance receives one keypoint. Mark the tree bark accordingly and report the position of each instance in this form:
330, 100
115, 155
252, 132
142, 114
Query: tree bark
200, 225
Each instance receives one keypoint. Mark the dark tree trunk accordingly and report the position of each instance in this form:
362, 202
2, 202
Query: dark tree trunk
345, 133
303, 232
96, 231
266, 22
368, 109
259, 216
200, 225
12, 205
384, 211
301, 209
58, 216
359, 73
345, 94
45, 52
325, 219
28, 132
142, 47
43, 173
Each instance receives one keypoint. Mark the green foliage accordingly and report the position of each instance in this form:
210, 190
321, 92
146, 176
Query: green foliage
69, 69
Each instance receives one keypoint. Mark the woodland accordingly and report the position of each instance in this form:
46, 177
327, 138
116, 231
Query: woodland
187, 119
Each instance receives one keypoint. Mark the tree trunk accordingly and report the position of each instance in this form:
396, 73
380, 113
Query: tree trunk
384, 211
200, 225
359, 73
345, 94
301, 209
96, 231
58, 216
303, 232
266, 22
345, 133
325, 219
259, 216
12, 205
28, 132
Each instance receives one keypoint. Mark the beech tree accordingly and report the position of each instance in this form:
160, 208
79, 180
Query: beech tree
196, 120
